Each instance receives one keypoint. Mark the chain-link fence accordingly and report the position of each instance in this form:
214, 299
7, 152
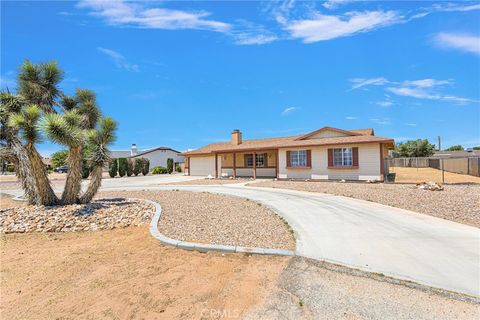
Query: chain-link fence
441, 170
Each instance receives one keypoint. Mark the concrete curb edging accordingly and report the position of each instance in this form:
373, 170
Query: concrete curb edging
205, 247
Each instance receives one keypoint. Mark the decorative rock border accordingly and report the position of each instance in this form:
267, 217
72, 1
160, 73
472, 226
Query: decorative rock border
205, 247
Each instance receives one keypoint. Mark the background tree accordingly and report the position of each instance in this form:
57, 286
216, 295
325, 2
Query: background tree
59, 158
39, 110
169, 165
415, 148
129, 167
122, 167
476, 148
113, 168
146, 166
455, 148
137, 167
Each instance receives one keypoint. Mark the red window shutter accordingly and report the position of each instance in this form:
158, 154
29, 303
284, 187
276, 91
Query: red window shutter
330, 157
289, 162
309, 158
355, 156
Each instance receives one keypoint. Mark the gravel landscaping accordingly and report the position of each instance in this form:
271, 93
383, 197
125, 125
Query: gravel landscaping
218, 219
459, 203
99, 215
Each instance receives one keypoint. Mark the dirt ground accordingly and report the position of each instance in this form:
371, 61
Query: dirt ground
414, 175
126, 274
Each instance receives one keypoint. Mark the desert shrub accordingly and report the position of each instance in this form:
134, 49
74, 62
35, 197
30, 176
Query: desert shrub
137, 166
169, 165
10, 168
159, 170
59, 158
146, 166
113, 168
122, 167
178, 168
129, 167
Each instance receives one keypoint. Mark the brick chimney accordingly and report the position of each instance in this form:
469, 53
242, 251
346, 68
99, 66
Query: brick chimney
236, 137
133, 150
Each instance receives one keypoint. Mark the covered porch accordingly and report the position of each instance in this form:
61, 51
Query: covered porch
255, 163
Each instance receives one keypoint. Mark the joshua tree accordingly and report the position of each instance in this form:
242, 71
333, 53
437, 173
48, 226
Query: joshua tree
39, 109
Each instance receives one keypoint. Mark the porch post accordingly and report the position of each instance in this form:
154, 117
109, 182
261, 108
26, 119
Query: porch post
234, 165
188, 162
254, 165
216, 165
276, 164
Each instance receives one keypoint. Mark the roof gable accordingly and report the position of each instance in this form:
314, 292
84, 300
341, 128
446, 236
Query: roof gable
328, 132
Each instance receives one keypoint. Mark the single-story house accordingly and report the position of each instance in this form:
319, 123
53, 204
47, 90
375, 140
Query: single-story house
327, 153
157, 156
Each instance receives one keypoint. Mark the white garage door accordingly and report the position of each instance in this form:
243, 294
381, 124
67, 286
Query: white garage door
202, 166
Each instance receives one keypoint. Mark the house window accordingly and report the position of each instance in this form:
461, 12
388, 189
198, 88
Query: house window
298, 158
259, 159
342, 157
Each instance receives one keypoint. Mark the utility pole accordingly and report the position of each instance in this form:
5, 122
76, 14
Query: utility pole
439, 144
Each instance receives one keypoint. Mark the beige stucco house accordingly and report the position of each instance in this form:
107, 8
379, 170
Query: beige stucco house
324, 154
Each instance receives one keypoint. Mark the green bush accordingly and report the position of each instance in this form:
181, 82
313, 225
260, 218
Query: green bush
159, 170
146, 166
10, 168
129, 167
178, 168
122, 167
169, 165
138, 165
113, 168
59, 158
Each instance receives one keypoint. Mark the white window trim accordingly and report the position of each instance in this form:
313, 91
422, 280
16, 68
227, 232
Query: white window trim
298, 158
346, 157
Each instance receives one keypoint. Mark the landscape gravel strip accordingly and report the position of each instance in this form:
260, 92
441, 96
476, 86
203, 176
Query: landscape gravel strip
207, 218
459, 203
205, 247
101, 214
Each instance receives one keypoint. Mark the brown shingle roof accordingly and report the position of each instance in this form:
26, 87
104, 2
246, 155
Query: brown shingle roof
285, 142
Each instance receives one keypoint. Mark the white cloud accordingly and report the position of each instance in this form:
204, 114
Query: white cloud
322, 27
411, 124
421, 89
351, 118
139, 15
385, 103
248, 33
382, 121
333, 4
462, 42
362, 82
119, 60
288, 111
452, 7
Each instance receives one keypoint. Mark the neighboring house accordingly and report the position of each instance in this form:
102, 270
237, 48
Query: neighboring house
156, 156
327, 153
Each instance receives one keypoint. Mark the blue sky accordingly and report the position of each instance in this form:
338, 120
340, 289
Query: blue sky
184, 74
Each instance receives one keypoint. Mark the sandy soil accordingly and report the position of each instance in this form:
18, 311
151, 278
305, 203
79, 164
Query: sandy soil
6, 201
459, 203
415, 175
126, 274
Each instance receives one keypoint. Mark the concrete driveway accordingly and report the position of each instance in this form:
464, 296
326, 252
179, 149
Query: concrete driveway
364, 235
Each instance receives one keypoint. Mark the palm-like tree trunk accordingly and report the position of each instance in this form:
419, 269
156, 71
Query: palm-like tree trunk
45, 194
24, 171
73, 183
94, 185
